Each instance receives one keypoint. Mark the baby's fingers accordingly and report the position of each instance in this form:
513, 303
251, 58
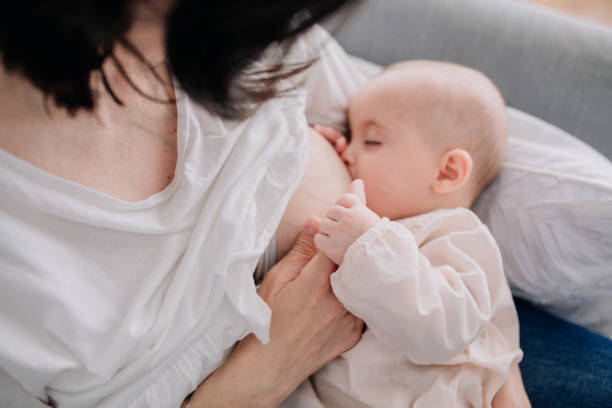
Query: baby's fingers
323, 244
336, 213
327, 226
327, 245
341, 144
348, 200
358, 189
330, 133
321, 241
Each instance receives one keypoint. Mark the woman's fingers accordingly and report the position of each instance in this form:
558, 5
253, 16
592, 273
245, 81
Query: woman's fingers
338, 330
291, 265
318, 270
304, 249
309, 325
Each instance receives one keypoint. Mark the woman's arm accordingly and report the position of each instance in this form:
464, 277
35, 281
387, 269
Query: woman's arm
309, 327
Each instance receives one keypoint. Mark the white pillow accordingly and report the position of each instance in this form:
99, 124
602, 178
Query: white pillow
550, 211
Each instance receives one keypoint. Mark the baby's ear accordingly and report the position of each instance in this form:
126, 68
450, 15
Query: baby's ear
454, 169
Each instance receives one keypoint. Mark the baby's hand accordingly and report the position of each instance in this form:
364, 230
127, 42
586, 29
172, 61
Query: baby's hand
337, 139
344, 223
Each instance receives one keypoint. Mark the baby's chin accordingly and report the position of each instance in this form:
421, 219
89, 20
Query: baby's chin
387, 209
373, 205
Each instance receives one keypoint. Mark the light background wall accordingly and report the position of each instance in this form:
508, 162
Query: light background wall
598, 10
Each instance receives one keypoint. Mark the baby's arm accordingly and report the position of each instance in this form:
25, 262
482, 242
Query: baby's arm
429, 308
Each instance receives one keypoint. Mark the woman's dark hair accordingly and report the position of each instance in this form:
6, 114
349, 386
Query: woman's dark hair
57, 44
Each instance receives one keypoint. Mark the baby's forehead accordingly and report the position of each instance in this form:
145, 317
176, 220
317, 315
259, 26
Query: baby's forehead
419, 82
401, 90
427, 86
406, 87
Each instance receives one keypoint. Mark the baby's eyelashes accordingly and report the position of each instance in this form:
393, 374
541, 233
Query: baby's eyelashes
372, 143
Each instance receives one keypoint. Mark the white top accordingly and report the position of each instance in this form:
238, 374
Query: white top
110, 303
442, 327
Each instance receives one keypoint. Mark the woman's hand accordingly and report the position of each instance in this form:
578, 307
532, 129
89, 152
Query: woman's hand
309, 328
309, 324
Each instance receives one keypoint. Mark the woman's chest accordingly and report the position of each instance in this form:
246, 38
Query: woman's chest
129, 157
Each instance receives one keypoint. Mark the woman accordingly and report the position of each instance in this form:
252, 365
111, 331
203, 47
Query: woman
129, 238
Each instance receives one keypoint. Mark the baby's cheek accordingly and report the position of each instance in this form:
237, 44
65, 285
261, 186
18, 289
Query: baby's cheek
375, 199
383, 197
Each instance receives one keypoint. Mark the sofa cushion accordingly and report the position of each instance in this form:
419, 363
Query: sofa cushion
550, 210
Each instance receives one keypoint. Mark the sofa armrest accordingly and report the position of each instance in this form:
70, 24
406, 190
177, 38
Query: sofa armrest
546, 63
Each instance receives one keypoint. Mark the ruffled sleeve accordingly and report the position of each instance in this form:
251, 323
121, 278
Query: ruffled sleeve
426, 294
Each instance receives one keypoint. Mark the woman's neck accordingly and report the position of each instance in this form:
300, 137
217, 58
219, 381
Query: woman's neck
127, 150
147, 36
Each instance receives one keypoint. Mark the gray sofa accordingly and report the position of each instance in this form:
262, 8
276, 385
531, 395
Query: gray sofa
546, 63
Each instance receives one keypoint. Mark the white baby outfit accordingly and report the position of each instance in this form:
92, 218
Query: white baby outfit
442, 327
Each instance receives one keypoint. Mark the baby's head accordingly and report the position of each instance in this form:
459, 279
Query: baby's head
425, 135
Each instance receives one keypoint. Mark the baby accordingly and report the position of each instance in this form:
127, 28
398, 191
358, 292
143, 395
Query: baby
426, 138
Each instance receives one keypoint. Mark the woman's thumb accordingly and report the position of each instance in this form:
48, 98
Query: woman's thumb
290, 267
358, 189
304, 248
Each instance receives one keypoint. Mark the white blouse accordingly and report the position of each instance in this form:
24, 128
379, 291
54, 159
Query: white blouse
110, 303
